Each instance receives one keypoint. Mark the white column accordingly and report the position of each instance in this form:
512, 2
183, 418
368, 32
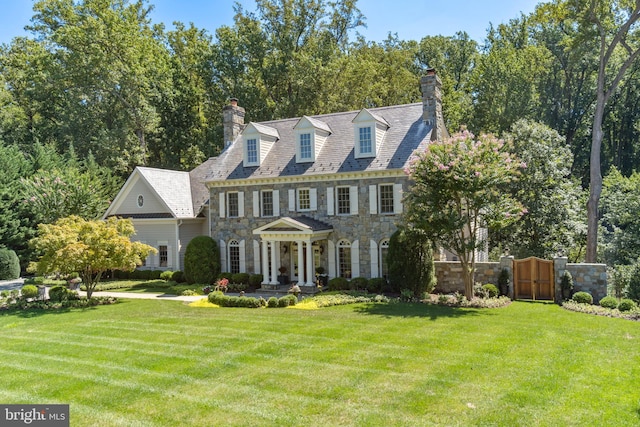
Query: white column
310, 264
301, 268
274, 268
265, 262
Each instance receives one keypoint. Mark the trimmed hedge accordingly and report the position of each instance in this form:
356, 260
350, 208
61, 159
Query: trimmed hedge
609, 302
582, 298
223, 300
9, 265
240, 278
338, 284
61, 293
29, 291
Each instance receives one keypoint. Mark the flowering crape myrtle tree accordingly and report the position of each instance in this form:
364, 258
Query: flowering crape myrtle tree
459, 188
90, 248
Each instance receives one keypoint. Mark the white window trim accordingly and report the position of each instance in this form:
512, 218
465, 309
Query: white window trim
393, 194
273, 203
246, 150
312, 145
299, 209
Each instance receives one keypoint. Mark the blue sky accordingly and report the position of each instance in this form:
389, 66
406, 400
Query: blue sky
411, 19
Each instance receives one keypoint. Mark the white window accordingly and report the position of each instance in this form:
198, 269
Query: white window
266, 203
364, 134
384, 264
233, 210
344, 259
343, 200
387, 205
234, 256
304, 199
252, 151
305, 146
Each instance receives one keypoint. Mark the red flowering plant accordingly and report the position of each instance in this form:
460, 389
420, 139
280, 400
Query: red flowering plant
222, 285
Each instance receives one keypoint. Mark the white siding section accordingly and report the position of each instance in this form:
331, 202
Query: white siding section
153, 234
256, 204
373, 199
355, 259
222, 209
276, 202
292, 200
313, 196
332, 259
330, 202
241, 204
152, 203
397, 198
243, 257
373, 254
380, 131
353, 201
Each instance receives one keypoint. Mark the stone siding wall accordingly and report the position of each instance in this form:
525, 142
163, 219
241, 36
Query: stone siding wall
449, 275
590, 278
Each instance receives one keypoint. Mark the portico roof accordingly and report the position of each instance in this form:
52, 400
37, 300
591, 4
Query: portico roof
288, 228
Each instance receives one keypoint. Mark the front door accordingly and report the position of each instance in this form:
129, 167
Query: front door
294, 259
533, 279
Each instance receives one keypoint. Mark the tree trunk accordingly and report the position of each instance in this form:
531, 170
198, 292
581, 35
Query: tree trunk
467, 277
595, 181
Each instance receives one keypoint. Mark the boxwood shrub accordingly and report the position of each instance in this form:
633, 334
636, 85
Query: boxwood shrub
609, 302
359, 284
627, 305
582, 298
178, 276
272, 302
376, 285
29, 291
223, 300
240, 278
255, 281
338, 284
61, 293
490, 290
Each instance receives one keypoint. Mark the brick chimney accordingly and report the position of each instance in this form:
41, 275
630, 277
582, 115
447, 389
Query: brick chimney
232, 121
431, 87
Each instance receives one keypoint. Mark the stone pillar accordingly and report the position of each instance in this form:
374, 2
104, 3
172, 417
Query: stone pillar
274, 267
232, 121
506, 263
265, 262
310, 275
559, 266
301, 268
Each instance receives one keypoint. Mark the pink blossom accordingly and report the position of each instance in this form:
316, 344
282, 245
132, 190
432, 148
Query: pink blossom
523, 165
443, 167
477, 174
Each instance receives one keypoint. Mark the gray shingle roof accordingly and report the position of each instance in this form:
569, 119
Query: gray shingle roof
173, 187
407, 132
199, 191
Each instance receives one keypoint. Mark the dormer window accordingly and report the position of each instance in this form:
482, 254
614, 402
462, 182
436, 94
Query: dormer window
252, 151
365, 141
369, 132
305, 146
258, 141
311, 135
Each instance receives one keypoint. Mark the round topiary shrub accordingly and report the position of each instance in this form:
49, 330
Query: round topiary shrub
376, 285
609, 302
627, 305
201, 260
359, 283
255, 281
166, 275
272, 302
9, 265
583, 298
178, 276
490, 290
29, 291
60, 293
338, 284
240, 278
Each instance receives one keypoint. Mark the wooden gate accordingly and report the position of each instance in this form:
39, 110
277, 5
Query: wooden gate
533, 279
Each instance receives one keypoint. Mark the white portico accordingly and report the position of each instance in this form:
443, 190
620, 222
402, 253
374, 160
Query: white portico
300, 239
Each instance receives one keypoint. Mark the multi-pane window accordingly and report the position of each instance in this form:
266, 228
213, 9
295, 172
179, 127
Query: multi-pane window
344, 202
163, 253
384, 264
252, 150
305, 146
234, 256
267, 203
304, 199
365, 140
344, 259
232, 205
386, 199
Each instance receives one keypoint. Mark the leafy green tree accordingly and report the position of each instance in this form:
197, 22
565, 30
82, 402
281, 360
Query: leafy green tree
9, 264
552, 199
90, 248
202, 260
460, 187
410, 260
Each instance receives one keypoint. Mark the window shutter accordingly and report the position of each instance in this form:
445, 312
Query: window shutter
169, 258
243, 257
330, 204
313, 198
331, 247
276, 202
292, 200
373, 199
241, 204
256, 204
222, 205
353, 201
257, 265
355, 259
373, 253
223, 256
397, 198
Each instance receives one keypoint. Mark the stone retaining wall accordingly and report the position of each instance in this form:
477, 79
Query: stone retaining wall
449, 275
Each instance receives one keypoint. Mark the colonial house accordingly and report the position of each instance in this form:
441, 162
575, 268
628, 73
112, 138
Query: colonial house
290, 195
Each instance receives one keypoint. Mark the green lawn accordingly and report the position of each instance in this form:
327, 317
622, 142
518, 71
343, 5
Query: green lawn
143, 363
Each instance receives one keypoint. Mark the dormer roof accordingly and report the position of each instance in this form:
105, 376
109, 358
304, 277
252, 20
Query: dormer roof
366, 115
318, 124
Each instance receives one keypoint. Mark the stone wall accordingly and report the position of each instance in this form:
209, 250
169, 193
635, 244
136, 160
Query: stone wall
590, 278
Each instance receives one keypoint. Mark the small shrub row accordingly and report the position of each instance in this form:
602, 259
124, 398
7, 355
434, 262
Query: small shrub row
344, 299
223, 300
631, 314
375, 285
459, 300
22, 304
138, 274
